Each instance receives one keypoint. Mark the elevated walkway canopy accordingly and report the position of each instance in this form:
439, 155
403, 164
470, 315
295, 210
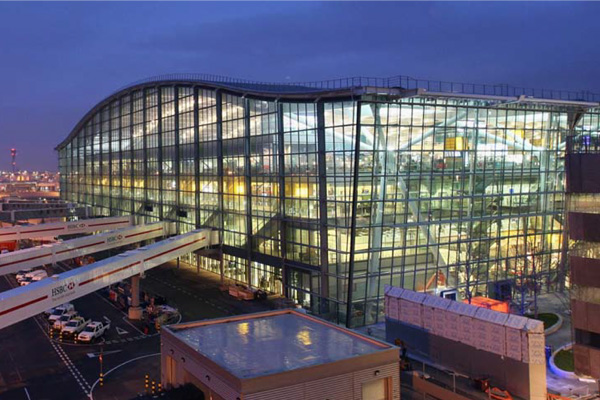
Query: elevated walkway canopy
26, 301
54, 229
55, 252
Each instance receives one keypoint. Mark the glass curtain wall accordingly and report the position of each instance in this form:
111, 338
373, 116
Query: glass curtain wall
327, 201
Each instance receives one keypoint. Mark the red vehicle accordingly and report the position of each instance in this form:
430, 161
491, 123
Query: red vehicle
8, 246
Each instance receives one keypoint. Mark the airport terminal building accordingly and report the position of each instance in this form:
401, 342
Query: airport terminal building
327, 191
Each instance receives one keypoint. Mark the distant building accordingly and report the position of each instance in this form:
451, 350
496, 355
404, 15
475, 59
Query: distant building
583, 205
278, 355
326, 191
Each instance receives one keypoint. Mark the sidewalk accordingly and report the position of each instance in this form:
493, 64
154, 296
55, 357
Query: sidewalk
559, 303
197, 295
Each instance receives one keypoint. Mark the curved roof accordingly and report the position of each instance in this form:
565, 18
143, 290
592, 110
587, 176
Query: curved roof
343, 87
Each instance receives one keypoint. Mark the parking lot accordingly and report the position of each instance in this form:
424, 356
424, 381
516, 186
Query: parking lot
38, 365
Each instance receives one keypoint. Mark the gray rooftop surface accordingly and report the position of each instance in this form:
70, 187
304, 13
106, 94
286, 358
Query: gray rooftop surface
268, 345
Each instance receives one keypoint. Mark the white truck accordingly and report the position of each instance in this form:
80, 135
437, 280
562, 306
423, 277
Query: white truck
60, 323
74, 326
33, 276
58, 312
21, 274
92, 331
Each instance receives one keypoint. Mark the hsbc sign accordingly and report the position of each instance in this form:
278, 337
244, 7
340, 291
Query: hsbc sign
63, 290
76, 226
113, 239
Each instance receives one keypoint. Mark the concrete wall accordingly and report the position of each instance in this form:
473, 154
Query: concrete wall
340, 387
312, 384
583, 175
519, 378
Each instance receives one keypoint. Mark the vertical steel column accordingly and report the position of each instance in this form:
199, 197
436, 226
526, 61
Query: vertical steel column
110, 166
323, 229
135, 311
197, 156
220, 211
145, 150
353, 220
247, 182
91, 195
176, 161
160, 153
120, 150
132, 156
101, 159
378, 204
83, 194
283, 222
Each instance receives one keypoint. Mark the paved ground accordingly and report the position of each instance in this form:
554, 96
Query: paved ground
559, 304
197, 296
33, 366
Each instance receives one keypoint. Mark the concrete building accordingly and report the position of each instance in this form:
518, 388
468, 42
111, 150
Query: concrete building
480, 343
583, 204
278, 355
326, 191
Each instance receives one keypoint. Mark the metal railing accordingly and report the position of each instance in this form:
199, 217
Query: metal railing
583, 144
400, 81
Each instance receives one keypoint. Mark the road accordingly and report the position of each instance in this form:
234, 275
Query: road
34, 366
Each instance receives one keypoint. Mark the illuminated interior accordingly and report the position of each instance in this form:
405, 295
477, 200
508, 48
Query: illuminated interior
436, 193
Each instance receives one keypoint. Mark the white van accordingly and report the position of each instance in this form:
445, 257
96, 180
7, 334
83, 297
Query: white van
34, 272
41, 274
33, 276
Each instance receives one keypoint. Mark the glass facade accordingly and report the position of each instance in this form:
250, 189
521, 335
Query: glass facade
326, 199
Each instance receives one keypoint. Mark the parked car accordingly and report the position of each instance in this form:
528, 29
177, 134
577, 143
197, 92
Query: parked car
59, 311
74, 326
60, 323
93, 331
21, 274
39, 275
32, 276
32, 279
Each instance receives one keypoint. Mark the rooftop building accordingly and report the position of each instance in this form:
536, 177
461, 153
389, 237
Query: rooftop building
326, 191
281, 354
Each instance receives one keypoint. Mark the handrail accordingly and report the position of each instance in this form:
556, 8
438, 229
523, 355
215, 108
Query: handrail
399, 81
583, 144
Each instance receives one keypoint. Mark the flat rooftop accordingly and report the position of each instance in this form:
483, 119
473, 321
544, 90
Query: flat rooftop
261, 345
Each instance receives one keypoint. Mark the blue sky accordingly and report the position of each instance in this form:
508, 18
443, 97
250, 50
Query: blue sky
57, 60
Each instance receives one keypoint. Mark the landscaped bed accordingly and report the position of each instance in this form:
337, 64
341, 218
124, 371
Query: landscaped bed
549, 319
564, 360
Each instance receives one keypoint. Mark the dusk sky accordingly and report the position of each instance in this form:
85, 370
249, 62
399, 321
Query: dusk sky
57, 60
